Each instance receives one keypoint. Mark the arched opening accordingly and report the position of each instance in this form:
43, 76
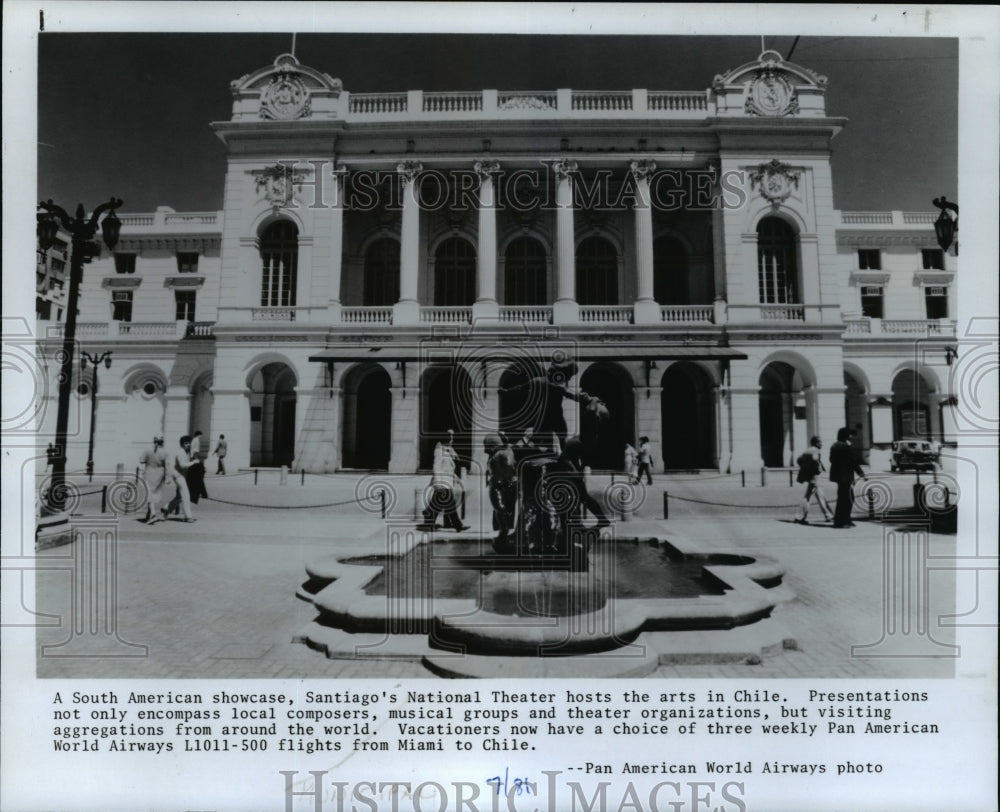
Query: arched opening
445, 403
688, 415
784, 424
455, 273
518, 409
670, 272
612, 384
777, 263
596, 272
279, 253
367, 423
525, 273
856, 414
140, 419
272, 415
381, 274
911, 412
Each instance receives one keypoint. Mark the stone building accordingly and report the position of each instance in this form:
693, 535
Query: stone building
388, 266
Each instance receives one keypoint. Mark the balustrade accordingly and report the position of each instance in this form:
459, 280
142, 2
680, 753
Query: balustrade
366, 315
687, 313
530, 314
446, 315
606, 314
782, 312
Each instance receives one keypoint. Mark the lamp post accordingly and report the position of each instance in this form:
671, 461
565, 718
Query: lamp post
84, 248
104, 358
946, 226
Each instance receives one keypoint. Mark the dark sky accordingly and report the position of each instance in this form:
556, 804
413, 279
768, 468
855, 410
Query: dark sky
128, 114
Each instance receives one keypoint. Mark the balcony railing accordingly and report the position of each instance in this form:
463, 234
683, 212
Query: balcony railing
272, 313
687, 314
200, 329
453, 102
527, 314
366, 315
601, 101
898, 327
446, 315
606, 314
782, 312
159, 329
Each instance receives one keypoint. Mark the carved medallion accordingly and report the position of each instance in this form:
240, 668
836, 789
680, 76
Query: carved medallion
776, 181
771, 94
285, 98
278, 183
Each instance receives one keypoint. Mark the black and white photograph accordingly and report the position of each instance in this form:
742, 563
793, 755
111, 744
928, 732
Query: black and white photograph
522, 406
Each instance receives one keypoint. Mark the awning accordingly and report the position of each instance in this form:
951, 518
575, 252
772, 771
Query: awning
584, 351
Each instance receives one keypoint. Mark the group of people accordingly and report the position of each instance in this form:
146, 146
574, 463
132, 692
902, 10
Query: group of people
183, 472
639, 462
844, 467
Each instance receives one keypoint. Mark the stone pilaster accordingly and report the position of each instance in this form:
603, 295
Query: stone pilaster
231, 417
407, 309
486, 306
646, 310
405, 453
566, 309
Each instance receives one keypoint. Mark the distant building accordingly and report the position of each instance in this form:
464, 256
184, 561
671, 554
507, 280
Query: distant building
51, 268
388, 265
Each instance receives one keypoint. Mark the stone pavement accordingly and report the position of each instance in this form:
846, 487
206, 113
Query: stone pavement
216, 598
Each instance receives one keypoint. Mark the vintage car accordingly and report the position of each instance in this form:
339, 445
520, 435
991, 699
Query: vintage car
916, 455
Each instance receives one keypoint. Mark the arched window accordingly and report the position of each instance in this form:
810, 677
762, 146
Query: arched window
381, 281
279, 252
776, 266
670, 272
525, 280
596, 272
455, 273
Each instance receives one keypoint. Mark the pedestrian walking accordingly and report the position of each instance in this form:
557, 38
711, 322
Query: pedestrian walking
177, 469
843, 468
154, 462
195, 475
810, 464
631, 464
645, 457
501, 483
220, 452
444, 486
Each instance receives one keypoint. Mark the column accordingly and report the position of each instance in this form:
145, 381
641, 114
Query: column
405, 453
407, 309
744, 404
565, 309
646, 310
486, 306
175, 417
336, 243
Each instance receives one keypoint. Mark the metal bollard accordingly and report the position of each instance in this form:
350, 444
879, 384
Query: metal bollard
137, 477
871, 505
790, 478
666, 505
463, 503
743, 479
104, 499
381, 496
763, 477
254, 476
303, 482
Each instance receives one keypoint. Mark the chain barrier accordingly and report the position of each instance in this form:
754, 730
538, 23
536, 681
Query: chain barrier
285, 507
727, 504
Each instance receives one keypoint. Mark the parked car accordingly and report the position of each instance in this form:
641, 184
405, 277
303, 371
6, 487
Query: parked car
916, 455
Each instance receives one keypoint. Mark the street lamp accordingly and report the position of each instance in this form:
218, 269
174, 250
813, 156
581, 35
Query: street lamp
946, 226
85, 248
104, 358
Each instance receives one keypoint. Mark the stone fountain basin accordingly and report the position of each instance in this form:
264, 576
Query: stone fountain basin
750, 589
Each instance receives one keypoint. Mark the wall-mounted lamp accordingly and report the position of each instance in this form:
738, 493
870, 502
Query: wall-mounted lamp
950, 355
650, 366
329, 376
946, 226
483, 369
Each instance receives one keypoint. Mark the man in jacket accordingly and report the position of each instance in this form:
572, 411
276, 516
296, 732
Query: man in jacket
843, 468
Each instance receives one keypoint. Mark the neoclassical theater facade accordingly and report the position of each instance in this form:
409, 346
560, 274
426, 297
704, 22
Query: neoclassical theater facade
390, 266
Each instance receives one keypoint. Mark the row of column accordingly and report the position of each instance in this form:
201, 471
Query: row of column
566, 308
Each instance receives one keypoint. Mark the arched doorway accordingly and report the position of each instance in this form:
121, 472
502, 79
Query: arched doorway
784, 424
911, 412
612, 384
688, 415
445, 403
272, 415
367, 424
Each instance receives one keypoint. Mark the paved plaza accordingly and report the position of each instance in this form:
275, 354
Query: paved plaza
216, 598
